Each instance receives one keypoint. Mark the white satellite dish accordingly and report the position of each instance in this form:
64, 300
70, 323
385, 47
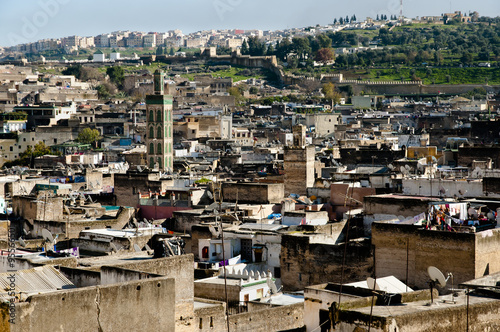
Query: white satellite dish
372, 284
437, 276
137, 248
147, 247
272, 286
113, 247
47, 236
22, 243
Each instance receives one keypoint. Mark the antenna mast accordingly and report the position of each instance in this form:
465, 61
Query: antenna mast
401, 11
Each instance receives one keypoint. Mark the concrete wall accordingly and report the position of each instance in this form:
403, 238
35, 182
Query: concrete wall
81, 278
181, 268
124, 307
396, 205
442, 188
217, 291
466, 255
274, 319
253, 193
39, 208
114, 275
211, 316
304, 263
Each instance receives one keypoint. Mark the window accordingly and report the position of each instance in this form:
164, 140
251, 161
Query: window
151, 163
151, 148
11, 149
32, 139
158, 116
193, 131
151, 132
160, 163
158, 132
158, 150
55, 140
24, 139
260, 293
151, 116
204, 252
277, 272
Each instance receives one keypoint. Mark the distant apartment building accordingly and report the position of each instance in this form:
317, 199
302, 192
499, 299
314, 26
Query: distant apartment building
72, 41
115, 40
87, 42
149, 40
234, 42
102, 40
160, 38
134, 40
195, 42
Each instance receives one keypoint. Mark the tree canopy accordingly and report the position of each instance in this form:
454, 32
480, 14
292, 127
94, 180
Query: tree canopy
89, 136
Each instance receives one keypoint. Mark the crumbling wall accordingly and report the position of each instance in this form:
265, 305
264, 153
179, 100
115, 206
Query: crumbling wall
304, 263
395, 245
270, 319
123, 307
181, 268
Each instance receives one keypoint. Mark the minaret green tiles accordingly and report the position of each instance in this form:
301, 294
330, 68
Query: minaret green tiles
159, 141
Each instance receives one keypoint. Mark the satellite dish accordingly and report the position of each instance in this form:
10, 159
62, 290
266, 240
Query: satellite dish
137, 248
215, 232
437, 276
147, 247
272, 286
47, 236
372, 284
22, 243
113, 247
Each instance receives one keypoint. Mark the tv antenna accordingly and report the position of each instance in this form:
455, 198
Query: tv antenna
437, 278
22, 243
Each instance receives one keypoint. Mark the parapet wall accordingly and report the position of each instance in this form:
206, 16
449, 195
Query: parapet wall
144, 305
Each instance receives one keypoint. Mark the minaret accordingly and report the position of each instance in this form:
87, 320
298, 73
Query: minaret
299, 163
159, 141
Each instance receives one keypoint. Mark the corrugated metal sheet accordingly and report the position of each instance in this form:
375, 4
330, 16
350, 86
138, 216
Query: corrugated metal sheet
40, 279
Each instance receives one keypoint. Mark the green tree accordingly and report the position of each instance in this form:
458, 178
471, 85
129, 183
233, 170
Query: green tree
244, 47
116, 75
73, 70
89, 136
331, 94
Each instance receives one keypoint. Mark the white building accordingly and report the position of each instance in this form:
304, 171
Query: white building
99, 56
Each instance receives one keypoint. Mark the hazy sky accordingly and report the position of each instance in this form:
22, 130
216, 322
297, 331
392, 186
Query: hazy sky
30, 20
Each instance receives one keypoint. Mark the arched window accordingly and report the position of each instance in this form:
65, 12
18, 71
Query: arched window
151, 162
166, 131
158, 116
151, 132
158, 132
160, 164
169, 131
166, 162
151, 148
159, 149
151, 116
